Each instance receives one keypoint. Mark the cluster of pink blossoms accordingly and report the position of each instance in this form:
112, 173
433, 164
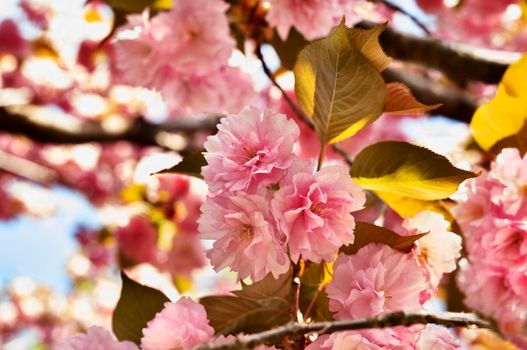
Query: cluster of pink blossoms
182, 325
379, 279
315, 18
494, 222
264, 201
183, 54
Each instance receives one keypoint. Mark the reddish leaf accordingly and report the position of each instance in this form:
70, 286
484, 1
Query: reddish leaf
366, 233
401, 101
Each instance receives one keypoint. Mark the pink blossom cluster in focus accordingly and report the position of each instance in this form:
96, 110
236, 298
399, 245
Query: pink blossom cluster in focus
264, 201
376, 280
494, 222
183, 54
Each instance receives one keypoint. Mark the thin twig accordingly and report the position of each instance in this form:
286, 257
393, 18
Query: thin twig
398, 8
313, 301
448, 319
295, 284
26, 169
288, 99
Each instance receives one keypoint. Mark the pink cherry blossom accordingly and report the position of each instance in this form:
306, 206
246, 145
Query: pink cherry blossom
434, 337
98, 338
226, 89
437, 251
375, 280
244, 234
497, 293
180, 325
139, 56
312, 18
194, 36
251, 150
198, 33
185, 256
493, 220
137, 240
314, 212
183, 54
11, 40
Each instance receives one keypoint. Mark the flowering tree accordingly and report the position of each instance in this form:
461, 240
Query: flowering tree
338, 229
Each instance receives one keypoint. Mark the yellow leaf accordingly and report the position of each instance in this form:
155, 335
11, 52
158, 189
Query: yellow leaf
501, 117
506, 113
401, 101
514, 78
367, 41
406, 170
407, 207
337, 87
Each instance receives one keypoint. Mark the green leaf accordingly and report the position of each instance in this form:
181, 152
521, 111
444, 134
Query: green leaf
269, 287
337, 87
190, 165
366, 233
406, 170
315, 277
135, 6
137, 305
367, 41
254, 308
288, 50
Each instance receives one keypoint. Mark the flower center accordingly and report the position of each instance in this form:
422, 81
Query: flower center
316, 209
247, 233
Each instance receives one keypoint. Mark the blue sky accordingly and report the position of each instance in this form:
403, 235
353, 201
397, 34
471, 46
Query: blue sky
39, 248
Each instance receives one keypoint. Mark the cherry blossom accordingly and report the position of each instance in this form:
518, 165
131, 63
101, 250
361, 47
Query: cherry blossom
138, 229
98, 338
180, 325
244, 234
314, 212
252, 150
312, 18
439, 249
375, 280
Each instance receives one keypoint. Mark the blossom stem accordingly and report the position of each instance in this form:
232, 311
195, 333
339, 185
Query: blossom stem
321, 155
313, 302
400, 318
296, 291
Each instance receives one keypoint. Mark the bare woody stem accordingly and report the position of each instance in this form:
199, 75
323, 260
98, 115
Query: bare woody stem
448, 319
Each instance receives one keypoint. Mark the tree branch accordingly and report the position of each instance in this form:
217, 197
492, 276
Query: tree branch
76, 131
448, 319
459, 62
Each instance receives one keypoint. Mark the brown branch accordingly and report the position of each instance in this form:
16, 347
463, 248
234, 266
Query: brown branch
448, 319
75, 131
459, 62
